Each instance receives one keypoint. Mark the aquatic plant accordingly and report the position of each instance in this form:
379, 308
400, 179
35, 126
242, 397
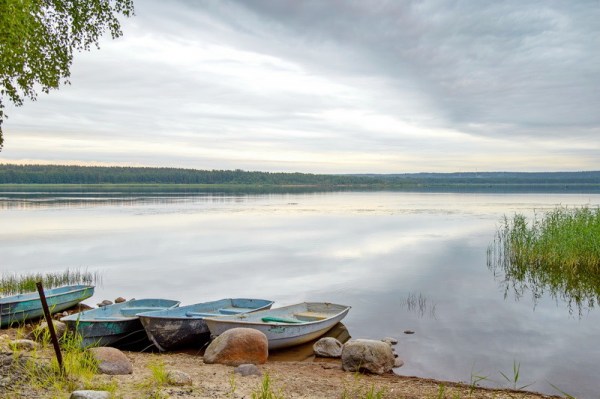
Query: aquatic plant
18, 283
515, 377
557, 252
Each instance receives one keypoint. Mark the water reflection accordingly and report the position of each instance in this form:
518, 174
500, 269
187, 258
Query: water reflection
419, 305
377, 252
579, 291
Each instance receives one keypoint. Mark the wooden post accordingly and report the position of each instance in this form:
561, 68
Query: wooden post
40, 289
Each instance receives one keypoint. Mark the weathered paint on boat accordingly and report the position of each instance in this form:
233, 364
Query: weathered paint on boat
175, 328
305, 321
19, 308
113, 324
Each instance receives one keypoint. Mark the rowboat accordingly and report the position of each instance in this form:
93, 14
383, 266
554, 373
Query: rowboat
286, 326
19, 308
175, 328
113, 324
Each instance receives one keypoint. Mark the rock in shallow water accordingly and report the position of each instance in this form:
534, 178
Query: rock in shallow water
328, 347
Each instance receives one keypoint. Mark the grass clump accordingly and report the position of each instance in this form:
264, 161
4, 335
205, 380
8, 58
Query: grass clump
557, 252
266, 390
18, 283
40, 371
358, 390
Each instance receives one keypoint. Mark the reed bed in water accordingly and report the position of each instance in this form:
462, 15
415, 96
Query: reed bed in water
17, 283
556, 252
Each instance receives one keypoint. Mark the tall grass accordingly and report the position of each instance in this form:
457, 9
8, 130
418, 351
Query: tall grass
557, 252
17, 283
43, 373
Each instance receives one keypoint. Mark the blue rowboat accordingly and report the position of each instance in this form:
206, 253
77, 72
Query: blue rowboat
175, 328
286, 326
114, 324
19, 308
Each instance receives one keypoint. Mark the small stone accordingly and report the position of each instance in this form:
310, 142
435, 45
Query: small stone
38, 333
247, 369
87, 394
328, 347
24, 344
120, 299
391, 341
398, 362
179, 378
409, 332
105, 302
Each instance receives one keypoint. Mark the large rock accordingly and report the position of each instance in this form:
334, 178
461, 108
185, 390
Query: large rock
238, 346
328, 347
367, 355
111, 361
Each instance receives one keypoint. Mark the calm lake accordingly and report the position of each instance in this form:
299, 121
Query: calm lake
403, 261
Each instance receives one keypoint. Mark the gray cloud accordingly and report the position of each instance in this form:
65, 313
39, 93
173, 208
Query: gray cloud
331, 87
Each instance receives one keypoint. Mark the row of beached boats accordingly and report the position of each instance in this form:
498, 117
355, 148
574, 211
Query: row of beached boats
170, 326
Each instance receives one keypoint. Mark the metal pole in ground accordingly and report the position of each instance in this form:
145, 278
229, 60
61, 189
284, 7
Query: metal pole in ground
53, 337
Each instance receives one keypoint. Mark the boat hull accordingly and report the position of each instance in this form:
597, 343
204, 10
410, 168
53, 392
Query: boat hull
20, 308
184, 326
281, 334
114, 325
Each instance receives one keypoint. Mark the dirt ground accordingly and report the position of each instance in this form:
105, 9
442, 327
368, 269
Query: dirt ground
322, 380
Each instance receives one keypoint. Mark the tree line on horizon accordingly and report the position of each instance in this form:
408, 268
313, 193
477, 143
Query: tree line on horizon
69, 174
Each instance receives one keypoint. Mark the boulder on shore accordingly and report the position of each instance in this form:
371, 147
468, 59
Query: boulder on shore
111, 361
238, 346
367, 355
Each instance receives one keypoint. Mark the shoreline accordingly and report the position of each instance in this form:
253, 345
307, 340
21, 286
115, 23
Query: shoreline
307, 379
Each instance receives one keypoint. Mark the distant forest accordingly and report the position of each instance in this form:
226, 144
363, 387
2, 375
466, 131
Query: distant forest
57, 174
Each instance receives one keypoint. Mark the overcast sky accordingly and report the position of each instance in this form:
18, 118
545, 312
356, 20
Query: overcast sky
330, 87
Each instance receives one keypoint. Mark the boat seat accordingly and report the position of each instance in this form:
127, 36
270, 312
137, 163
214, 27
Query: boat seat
202, 314
134, 310
234, 310
108, 318
271, 319
310, 316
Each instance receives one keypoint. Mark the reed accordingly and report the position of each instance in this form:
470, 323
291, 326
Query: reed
18, 283
556, 252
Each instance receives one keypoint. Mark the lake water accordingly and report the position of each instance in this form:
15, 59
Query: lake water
403, 261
